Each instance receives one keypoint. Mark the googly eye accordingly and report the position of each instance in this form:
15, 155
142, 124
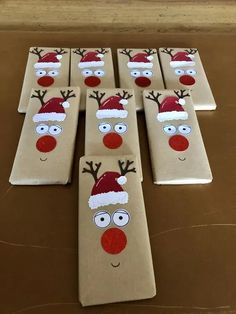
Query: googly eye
120, 127
184, 129
102, 219
53, 73
104, 127
42, 129
135, 73
87, 72
99, 73
179, 72
121, 217
191, 72
40, 73
55, 129
169, 129
147, 73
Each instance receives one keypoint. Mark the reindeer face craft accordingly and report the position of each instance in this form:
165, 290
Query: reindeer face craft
112, 227
177, 150
139, 69
46, 67
91, 67
46, 145
182, 68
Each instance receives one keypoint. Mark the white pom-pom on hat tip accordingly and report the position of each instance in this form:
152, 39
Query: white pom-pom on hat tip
59, 57
65, 104
122, 180
100, 55
123, 101
191, 56
181, 101
150, 58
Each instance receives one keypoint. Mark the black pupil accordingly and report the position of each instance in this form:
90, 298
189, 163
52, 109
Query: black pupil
55, 130
120, 127
102, 219
169, 129
104, 127
120, 217
42, 128
184, 129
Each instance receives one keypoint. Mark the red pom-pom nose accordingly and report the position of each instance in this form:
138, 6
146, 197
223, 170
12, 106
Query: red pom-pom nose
142, 81
113, 241
92, 81
178, 143
46, 143
112, 140
187, 80
45, 81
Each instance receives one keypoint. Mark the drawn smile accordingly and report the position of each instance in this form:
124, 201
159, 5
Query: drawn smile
182, 158
117, 265
43, 159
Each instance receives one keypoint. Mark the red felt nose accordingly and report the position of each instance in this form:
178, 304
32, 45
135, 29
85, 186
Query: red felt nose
187, 80
92, 81
45, 81
46, 143
112, 140
113, 241
142, 81
178, 142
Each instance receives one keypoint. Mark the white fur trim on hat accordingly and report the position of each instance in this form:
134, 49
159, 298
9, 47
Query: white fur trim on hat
123, 102
49, 116
172, 115
109, 198
66, 104
132, 65
175, 64
59, 57
122, 180
150, 58
100, 55
90, 64
111, 113
42, 65
181, 101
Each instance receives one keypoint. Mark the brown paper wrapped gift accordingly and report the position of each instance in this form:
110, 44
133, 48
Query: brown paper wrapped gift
111, 123
46, 146
115, 262
182, 68
177, 150
46, 67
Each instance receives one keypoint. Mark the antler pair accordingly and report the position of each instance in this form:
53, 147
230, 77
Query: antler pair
98, 97
127, 52
179, 93
169, 51
41, 93
37, 52
81, 52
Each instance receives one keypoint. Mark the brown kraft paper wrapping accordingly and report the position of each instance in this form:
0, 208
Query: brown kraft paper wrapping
91, 67
46, 146
177, 150
182, 69
115, 262
46, 67
139, 69
111, 123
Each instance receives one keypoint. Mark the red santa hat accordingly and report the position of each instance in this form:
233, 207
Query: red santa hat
182, 59
140, 60
52, 110
91, 59
112, 107
108, 190
171, 109
49, 60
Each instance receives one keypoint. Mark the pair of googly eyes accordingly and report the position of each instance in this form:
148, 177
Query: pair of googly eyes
106, 127
53, 129
41, 73
98, 73
171, 129
103, 219
188, 72
137, 73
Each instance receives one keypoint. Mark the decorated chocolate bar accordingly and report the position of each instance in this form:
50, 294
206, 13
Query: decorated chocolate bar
139, 69
182, 68
91, 67
46, 67
177, 150
115, 262
46, 146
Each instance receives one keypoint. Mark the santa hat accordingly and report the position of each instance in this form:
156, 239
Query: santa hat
112, 107
107, 190
91, 59
141, 60
182, 59
52, 110
171, 109
49, 60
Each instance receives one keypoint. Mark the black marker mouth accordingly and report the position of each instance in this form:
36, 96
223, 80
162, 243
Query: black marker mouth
43, 159
182, 158
117, 265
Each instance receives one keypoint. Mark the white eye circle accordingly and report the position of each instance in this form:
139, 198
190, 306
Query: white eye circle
99, 73
102, 219
104, 127
42, 129
40, 73
169, 129
135, 73
147, 73
184, 129
121, 217
120, 127
179, 72
191, 72
55, 129
87, 73
53, 73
